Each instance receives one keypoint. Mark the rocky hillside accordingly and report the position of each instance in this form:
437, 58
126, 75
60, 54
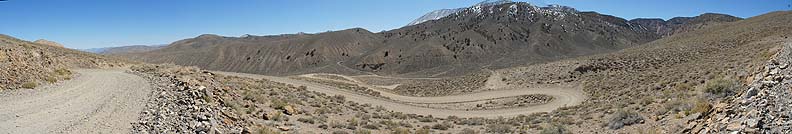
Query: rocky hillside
485, 35
276, 55
491, 35
498, 36
761, 107
26, 64
683, 24
664, 85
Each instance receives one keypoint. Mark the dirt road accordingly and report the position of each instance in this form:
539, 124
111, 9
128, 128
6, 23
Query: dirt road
97, 101
564, 96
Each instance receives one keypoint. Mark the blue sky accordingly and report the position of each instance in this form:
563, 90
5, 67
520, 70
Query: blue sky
103, 23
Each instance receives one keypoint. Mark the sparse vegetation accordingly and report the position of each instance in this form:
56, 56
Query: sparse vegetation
400, 131
51, 79
554, 129
362, 131
720, 87
63, 72
265, 130
278, 104
441, 126
499, 128
468, 131
29, 85
701, 106
624, 118
422, 131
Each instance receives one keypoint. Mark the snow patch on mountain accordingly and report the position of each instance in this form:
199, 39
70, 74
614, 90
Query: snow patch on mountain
434, 15
437, 14
489, 6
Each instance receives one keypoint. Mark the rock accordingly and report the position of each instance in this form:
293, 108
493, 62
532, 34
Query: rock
690, 126
751, 92
753, 123
734, 126
692, 117
284, 128
774, 71
271, 115
290, 110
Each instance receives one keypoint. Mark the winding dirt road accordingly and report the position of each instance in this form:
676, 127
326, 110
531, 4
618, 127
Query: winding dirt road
97, 101
563, 96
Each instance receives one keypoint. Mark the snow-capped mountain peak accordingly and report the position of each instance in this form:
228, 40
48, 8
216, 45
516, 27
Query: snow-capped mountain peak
488, 6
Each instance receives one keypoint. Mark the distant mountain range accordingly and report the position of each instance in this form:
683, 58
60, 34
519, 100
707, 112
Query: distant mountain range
125, 49
492, 34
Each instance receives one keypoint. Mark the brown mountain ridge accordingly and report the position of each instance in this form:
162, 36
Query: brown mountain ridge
477, 37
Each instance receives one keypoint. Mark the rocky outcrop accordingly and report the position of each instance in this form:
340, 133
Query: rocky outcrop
181, 103
764, 107
26, 64
678, 25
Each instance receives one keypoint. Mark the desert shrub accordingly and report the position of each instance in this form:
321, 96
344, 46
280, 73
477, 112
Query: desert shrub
352, 122
3, 56
426, 119
306, 120
624, 118
63, 72
499, 128
683, 87
674, 107
472, 122
371, 126
701, 106
338, 98
351, 127
362, 131
29, 85
650, 130
336, 124
441, 126
51, 79
468, 131
720, 87
235, 106
265, 130
278, 104
276, 116
554, 129
400, 131
405, 124
250, 110
389, 124
207, 98
422, 131
340, 132
646, 100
